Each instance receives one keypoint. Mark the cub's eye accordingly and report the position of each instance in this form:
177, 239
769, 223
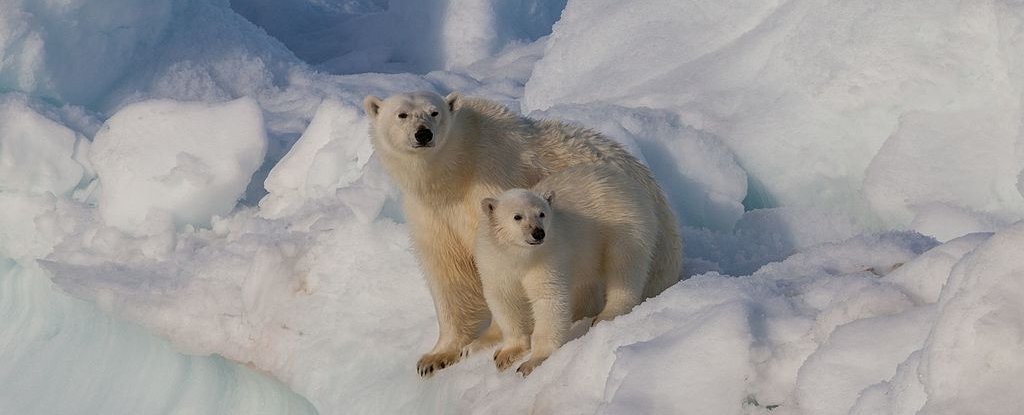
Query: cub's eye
518, 217
433, 114
541, 214
403, 115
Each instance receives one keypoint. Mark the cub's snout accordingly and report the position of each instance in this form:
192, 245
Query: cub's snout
538, 234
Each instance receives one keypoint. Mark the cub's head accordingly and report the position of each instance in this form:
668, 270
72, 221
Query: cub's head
414, 123
518, 217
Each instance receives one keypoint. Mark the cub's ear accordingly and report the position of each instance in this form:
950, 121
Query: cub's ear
549, 196
372, 105
487, 205
453, 99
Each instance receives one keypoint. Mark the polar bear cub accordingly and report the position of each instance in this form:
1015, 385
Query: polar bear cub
547, 256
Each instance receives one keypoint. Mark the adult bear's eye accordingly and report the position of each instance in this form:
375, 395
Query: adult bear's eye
403, 115
518, 218
541, 214
433, 114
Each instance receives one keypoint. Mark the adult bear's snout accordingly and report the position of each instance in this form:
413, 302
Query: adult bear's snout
423, 136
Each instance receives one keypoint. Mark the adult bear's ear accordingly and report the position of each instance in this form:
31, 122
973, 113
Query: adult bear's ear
453, 99
487, 205
549, 196
371, 105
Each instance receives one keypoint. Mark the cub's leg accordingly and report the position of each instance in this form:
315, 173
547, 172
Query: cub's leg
511, 313
490, 337
548, 291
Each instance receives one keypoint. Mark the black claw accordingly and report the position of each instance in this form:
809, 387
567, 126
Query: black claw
443, 365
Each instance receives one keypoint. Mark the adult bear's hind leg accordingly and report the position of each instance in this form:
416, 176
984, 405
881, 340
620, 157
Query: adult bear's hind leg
626, 268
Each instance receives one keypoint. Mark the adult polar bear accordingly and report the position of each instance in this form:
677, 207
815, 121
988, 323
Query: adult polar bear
449, 153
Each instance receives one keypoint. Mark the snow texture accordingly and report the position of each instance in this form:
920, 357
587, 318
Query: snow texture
187, 160
194, 220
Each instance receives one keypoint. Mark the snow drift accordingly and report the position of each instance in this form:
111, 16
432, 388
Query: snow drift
887, 119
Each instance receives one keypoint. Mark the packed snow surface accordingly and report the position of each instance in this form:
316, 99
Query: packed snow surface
193, 219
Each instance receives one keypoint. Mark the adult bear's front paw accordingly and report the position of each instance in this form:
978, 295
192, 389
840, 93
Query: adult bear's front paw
433, 362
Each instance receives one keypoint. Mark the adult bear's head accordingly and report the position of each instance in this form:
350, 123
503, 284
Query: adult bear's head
416, 123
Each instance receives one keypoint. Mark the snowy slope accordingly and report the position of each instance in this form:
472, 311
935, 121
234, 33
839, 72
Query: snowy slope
847, 174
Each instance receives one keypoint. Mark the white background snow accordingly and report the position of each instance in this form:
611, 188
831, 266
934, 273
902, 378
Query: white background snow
192, 220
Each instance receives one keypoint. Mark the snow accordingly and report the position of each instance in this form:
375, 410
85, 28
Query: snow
330, 154
834, 376
190, 161
69, 358
194, 220
76, 50
960, 186
969, 361
345, 36
38, 154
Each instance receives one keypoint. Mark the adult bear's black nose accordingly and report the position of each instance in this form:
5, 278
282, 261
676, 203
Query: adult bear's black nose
423, 136
537, 234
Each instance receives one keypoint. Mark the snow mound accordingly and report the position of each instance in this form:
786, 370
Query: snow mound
934, 174
834, 376
834, 104
187, 160
76, 50
38, 154
331, 154
970, 363
102, 55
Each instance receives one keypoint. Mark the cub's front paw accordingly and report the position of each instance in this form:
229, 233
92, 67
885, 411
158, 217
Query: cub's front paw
479, 344
602, 317
433, 362
505, 356
527, 367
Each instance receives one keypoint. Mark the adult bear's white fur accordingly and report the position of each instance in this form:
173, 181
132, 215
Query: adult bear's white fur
547, 256
480, 149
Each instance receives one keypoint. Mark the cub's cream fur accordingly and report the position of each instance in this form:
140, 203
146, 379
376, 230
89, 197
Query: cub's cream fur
480, 149
547, 257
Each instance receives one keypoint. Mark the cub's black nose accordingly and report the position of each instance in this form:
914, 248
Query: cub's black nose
423, 136
537, 234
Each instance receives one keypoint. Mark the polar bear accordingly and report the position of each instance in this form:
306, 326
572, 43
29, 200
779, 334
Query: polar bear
448, 153
547, 255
